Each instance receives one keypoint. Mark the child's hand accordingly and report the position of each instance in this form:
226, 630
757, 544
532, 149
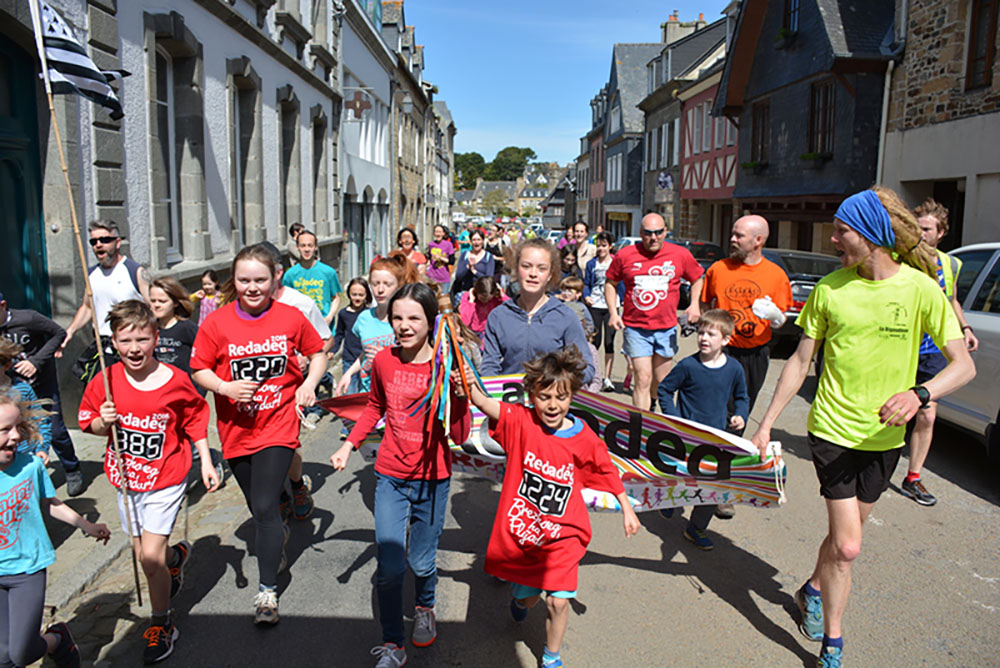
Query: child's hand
456, 384
339, 458
305, 396
99, 531
200, 294
108, 413
341, 389
44, 456
209, 476
737, 422
630, 521
240, 391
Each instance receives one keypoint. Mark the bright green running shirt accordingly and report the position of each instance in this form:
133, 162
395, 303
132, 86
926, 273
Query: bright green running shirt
872, 332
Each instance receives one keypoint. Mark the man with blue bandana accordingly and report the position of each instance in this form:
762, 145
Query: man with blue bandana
869, 317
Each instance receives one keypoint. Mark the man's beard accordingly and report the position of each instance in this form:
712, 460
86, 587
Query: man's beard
110, 260
737, 253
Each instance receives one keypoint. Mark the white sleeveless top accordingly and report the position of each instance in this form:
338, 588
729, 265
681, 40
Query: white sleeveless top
111, 286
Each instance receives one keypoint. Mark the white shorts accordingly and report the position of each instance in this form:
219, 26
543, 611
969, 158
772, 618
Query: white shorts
156, 510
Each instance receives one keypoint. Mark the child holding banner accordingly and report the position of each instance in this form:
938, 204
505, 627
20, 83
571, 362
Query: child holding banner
706, 384
542, 529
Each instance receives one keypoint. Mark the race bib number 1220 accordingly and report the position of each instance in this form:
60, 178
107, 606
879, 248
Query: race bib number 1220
258, 369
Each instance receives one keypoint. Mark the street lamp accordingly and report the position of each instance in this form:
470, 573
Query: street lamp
407, 104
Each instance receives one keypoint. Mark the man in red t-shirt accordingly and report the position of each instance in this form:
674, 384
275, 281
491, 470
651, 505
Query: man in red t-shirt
652, 272
755, 291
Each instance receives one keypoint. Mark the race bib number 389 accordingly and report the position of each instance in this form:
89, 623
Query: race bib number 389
140, 444
259, 368
548, 497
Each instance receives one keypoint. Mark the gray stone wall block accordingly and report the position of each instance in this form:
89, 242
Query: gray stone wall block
109, 184
110, 6
108, 149
103, 29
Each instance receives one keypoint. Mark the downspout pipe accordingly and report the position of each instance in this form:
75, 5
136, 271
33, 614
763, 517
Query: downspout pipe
896, 52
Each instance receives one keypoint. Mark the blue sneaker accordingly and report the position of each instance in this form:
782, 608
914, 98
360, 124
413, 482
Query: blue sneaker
811, 609
699, 538
830, 657
553, 664
517, 612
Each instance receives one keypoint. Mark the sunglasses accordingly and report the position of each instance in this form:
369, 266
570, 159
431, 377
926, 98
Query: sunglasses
653, 233
102, 240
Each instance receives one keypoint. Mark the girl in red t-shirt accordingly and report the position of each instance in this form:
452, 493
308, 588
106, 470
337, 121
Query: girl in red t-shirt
245, 353
412, 470
542, 529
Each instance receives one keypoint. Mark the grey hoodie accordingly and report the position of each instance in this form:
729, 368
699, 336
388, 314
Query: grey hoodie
513, 337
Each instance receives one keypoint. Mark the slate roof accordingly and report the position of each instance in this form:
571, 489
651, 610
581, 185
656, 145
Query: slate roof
857, 28
533, 192
464, 196
690, 49
509, 188
630, 62
441, 107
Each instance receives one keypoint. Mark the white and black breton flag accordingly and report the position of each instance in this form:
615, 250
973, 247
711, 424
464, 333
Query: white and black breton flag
70, 69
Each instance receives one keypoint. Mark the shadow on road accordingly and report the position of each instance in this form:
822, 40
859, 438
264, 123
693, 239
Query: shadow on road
732, 574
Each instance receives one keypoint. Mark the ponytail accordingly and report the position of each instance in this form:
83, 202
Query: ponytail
910, 248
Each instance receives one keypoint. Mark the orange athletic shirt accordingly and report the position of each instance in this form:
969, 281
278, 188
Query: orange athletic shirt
735, 286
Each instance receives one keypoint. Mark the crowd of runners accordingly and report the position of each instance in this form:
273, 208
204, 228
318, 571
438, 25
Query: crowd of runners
261, 342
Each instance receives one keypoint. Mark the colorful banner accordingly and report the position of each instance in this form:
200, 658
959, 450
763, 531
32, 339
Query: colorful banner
665, 462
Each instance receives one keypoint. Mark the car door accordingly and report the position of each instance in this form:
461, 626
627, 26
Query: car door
977, 404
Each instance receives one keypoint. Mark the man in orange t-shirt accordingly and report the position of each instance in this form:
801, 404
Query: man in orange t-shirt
755, 291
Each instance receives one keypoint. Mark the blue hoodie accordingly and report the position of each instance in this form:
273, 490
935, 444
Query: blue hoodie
513, 337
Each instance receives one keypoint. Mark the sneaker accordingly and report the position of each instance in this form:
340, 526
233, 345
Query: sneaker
607, 385
285, 506
725, 511
557, 663
302, 501
390, 655
699, 538
517, 611
627, 383
283, 564
183, 550
159, 642
915, 490
74, 483
424, 627
66, 654
667, 513
266, 604
811, 609
830, 657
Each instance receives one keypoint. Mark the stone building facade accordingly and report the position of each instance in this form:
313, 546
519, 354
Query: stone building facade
943, 120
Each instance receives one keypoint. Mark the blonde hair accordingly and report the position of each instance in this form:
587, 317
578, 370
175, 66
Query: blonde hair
8, 351
32, 413
719, 319
909, 247
931, 207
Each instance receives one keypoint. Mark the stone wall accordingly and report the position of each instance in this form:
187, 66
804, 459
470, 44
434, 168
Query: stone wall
929, 84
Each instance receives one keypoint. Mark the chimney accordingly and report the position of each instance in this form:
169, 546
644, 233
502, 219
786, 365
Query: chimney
675, 29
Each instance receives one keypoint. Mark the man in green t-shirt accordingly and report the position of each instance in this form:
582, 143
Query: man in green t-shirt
313, 278
869, 316
933, 221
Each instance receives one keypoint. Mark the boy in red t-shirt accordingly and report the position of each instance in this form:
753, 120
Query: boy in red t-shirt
157, 411
542, 528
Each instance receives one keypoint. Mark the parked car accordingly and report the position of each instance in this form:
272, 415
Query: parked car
553, 235
804, 269
976, 406
625, 241
705, 252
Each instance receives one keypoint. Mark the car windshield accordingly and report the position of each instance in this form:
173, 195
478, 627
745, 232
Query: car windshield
810, 265
705, 251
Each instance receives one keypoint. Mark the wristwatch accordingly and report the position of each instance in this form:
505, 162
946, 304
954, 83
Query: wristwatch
922, 394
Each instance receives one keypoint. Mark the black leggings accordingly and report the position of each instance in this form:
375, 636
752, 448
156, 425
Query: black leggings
21, 600
261, 476
601, 318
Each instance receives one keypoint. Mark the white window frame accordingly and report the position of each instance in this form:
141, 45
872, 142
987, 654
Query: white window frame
695, 116
677, 141
706, 126
731, 133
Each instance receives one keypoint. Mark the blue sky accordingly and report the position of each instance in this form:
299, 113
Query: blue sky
519, 73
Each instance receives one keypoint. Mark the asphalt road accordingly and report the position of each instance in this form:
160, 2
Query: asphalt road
926, 587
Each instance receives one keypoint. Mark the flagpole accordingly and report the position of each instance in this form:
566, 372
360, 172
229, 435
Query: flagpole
89, 294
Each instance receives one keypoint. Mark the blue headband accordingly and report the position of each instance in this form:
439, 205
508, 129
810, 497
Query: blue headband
867, 216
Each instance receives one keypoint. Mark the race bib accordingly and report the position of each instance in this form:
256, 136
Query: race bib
652, 283
259, 368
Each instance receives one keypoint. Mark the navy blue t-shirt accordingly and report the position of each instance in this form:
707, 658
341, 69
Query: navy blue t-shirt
703, 393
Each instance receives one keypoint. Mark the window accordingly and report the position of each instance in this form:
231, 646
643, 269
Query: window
822, 117
982, 39
616, 120
676, 134
163, 176
695, 114
730, 133
973, 263
247, 164
760, 143
720, 131
706, 126
790, 18
289, 152
610, 172
321, 216
988, 298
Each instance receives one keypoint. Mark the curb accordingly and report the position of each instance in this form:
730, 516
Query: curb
62, 590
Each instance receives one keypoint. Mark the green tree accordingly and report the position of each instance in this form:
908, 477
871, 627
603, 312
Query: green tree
508, 164
495, 201
468, 167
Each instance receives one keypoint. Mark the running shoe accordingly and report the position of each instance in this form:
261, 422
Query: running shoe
302, 501
517, 611
607, 385
811, 609
159, 642
725, 511
915, 490
557, 663
699, 538
66, 654
424, 627
830, 657
74, 483
390, 655
182, 550
266, 607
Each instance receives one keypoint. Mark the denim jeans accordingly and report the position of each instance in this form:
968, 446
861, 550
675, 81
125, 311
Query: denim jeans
61, 441
355, 385
417, 505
